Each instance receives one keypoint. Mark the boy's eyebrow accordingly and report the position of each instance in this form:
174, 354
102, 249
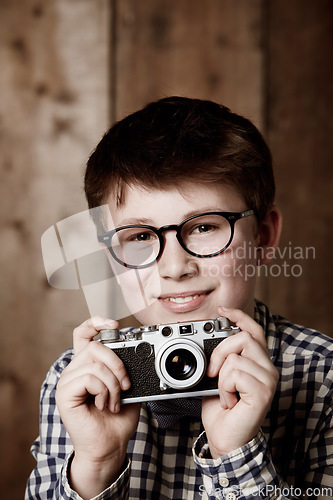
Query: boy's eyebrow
149, 222
203, 210
133, 221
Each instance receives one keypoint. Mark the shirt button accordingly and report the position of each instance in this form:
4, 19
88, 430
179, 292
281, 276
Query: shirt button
224, 482
231, 496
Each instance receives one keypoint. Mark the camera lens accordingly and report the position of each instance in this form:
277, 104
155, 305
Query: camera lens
181, 364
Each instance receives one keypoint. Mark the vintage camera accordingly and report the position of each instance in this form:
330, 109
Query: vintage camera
168, 361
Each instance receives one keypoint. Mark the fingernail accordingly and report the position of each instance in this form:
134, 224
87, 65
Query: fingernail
116, 407
211, 370
110, 324
223, 404
125, 383
225, 308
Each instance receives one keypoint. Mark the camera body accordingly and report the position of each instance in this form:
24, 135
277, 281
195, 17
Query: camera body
168, 361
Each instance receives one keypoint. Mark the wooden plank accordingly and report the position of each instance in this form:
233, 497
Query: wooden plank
54, 85
207, 49
300, 130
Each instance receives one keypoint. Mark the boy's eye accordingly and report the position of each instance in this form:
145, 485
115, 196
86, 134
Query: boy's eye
142, 237
203, 228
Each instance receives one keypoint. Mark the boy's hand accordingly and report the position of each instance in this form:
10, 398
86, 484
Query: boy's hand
247, 383
88, 400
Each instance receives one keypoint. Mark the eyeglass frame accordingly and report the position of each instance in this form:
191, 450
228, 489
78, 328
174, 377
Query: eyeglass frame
231, 217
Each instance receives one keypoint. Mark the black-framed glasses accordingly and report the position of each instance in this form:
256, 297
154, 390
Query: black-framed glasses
205, 235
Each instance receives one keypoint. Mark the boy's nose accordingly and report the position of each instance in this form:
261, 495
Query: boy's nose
175, 262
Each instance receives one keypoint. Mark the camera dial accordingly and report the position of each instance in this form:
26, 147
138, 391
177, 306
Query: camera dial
109, 336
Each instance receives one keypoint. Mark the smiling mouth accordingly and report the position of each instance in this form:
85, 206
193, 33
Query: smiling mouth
186, 302
182, 300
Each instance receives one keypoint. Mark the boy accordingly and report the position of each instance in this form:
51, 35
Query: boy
192, 182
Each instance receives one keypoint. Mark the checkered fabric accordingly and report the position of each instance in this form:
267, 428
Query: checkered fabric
294, 448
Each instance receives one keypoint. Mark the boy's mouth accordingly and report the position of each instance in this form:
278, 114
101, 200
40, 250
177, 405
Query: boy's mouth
184, 302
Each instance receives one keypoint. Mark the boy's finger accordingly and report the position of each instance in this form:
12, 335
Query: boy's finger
245, 323
98, 356
85, 333
242, 344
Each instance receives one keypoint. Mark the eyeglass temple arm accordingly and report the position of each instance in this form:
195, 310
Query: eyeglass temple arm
246, 213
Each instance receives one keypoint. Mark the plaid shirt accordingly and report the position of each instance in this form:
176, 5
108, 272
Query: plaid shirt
293, 450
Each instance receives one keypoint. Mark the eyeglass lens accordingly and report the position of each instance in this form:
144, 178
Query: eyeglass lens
203, 236
136, 246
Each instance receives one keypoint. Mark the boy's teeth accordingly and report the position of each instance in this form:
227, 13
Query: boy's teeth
181, 300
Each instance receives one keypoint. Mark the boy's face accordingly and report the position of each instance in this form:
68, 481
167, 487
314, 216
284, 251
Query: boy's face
181, 287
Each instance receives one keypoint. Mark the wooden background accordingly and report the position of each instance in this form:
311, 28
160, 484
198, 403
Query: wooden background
69, 68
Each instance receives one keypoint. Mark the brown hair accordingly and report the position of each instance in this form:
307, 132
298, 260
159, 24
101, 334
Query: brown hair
178, 139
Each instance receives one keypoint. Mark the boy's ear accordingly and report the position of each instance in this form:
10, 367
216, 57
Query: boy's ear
269, 235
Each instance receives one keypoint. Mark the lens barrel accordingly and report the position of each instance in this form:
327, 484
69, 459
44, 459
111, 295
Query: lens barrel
180, 365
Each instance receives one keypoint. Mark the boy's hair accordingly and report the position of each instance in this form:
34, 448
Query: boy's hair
178, 139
